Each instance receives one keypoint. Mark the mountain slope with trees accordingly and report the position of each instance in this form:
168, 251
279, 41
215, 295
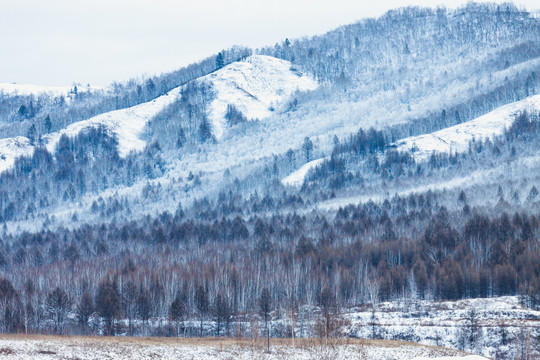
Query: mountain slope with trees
195, 231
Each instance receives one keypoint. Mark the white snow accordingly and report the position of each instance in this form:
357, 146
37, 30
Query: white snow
456, 138
29, 89
11, 148
253, 86
50, 347
442, 323
256, 86
469, 357
297, 177
128, 124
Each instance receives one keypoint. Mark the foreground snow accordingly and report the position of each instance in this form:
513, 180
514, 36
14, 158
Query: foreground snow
503, 323
157, 348
457, 138
470, 357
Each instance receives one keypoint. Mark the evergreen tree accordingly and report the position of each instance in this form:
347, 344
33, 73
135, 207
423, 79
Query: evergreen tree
31, 134
307, 148
205, 133
144, 305
177, 311
220, 61
221, 311
48, 124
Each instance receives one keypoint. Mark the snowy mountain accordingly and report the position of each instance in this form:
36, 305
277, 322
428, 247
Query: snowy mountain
256, 86
126, 124
348, 175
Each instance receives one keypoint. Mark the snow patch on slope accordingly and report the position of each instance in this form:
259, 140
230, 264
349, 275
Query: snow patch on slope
256, 86
11, 148
297, 177
128, 124
456, 138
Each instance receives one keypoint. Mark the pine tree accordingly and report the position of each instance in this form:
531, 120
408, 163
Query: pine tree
221, 311
48, 124
144, 306
220, 62
307, 148
328, 302
205, 133
31, 134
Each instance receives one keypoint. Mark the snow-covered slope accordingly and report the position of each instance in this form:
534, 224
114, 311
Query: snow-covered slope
11, 148
126, 124
456, 138
256, 86
297, 177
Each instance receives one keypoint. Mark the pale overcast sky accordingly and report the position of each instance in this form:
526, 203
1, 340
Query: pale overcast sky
58, 42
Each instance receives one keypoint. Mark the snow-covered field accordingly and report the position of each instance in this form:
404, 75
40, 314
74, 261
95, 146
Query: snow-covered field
503, 323
457, 138
40, 347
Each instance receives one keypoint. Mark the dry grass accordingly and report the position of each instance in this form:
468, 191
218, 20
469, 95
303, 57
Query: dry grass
210, 341
222, 348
